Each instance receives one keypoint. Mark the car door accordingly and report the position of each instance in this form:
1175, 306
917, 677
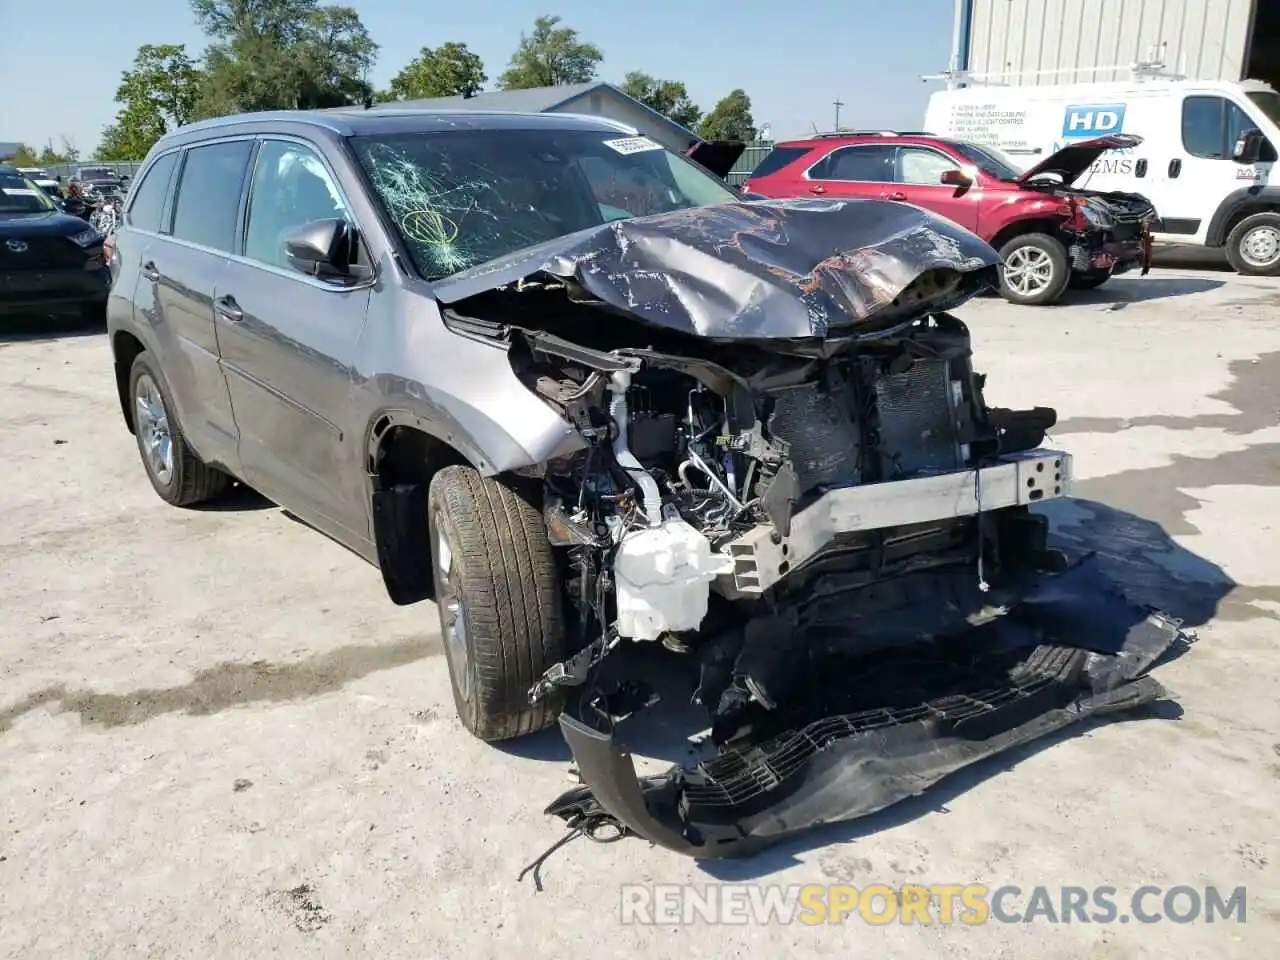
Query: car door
181, 268
861, 170
288, 342
919, 171
1200, 171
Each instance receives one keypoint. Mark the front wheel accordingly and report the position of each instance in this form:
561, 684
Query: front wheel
1253, 246
499, 597
1035, 270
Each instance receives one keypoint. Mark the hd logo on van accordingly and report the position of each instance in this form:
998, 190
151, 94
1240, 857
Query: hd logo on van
1092, 120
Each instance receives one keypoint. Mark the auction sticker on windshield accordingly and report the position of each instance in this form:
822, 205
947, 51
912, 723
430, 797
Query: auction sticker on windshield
628, 145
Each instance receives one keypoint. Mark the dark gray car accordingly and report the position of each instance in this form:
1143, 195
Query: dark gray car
570, 385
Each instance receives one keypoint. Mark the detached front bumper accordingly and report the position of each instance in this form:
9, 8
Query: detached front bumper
762, 557
1071, 650
1113, 253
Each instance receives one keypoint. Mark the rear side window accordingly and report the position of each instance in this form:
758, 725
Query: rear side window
777, 158
872, 163
209, 194
148, 196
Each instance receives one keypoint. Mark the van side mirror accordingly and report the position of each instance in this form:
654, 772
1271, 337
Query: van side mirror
327, 249
1249, 147
955, 178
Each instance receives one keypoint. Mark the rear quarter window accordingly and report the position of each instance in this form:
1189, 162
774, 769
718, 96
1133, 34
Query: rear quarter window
148, 196
777, 158
208, 203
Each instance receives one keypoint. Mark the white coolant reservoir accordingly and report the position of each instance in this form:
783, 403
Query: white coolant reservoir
662, 578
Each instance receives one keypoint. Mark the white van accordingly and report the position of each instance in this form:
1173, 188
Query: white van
1207, 160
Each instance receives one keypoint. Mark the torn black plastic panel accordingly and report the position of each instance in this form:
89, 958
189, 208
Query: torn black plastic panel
1074, 648
788, 269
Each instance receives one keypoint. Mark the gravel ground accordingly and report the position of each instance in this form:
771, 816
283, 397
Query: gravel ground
219, 738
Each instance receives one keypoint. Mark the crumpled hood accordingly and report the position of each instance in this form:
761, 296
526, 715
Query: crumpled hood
751, 270
1073, 160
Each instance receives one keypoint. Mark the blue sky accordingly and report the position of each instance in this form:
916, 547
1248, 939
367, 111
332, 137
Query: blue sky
792, 59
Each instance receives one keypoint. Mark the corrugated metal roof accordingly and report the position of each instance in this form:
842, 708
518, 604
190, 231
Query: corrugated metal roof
1070, 41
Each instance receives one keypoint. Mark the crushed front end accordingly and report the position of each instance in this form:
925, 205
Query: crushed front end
789, 473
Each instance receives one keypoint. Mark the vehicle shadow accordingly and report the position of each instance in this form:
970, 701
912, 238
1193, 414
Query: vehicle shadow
1147, 566
241, 498
29, 328
1119, 292
1190, 258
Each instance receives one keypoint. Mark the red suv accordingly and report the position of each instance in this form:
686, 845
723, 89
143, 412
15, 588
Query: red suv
1051, 235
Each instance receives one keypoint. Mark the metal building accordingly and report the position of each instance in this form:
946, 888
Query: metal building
1065, 41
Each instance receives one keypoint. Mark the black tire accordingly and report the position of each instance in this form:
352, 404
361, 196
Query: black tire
1237, 242
504, 574
1057, 257
190, 481
1089, 281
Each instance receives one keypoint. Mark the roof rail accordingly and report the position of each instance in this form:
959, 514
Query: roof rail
872, 133
1142, 70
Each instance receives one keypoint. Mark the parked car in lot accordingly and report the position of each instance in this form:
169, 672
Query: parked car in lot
1050, 234
103, 181
49, 260
43, 179
574, 388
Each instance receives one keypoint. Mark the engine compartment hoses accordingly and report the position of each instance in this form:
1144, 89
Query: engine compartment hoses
619, 384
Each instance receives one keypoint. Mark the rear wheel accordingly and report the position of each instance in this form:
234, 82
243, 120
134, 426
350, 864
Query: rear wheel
1253, 246
177, 474
499, 597
1035, 271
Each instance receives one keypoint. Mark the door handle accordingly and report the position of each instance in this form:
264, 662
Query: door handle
149, 271
1140, 168
228, 308
895, 195
1175, 168
819, 189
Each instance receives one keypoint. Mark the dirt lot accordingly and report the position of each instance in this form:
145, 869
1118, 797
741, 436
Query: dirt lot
219, 738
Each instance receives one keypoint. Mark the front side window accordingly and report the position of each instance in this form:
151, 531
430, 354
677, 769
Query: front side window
148, 197
208, 201
461, 198
776, 159
989, 160
291, 188
872, 163
1212, 125
919, 165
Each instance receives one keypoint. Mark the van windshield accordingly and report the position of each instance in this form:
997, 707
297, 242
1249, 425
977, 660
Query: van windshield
460, 198
1268, 102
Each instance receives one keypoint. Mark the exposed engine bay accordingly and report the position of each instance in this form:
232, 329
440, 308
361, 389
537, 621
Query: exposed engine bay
800, 508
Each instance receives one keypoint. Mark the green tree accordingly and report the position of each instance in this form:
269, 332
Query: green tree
449, 70
282, 54
667, 97
156, 95
24, 156
550, 57
730, 119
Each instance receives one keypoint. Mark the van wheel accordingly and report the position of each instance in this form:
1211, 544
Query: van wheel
1253, 246
177, 474
499, 598
1035, 271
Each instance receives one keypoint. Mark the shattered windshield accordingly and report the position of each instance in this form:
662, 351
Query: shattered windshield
460, 198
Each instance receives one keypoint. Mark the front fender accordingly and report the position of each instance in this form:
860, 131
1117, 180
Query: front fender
1237, 200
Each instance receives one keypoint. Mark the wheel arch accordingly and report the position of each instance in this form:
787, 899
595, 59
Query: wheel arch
1030, 224
1237, 205
125, 348
404, 452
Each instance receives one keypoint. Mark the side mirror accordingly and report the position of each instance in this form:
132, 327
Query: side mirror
955, 178
327, 249
1249, 147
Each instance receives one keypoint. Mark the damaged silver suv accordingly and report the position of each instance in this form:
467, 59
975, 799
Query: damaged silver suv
569, 385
